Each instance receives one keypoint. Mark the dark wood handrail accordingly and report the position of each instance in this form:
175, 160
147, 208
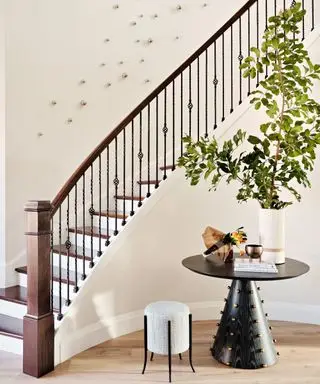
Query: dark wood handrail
68, 186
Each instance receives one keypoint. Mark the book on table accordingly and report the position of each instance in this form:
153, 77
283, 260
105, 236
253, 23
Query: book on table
254, 265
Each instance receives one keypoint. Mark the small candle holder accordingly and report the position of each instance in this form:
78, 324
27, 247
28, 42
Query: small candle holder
254, 251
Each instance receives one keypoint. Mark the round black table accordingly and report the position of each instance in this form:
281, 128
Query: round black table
243, 339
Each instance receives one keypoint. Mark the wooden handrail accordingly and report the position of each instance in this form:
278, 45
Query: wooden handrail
68, 186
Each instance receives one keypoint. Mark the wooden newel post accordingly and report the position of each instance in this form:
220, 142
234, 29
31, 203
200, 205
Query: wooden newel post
38, 324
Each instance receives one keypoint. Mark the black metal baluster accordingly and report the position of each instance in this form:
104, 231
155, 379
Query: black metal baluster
222, 58
91, 212
266, 26
124, 176
181, 112
99, 253
75, 288
215, 83
240, 57
116, 186
51, 264
59, 317
132, 166
206, 94
68, 245
198, 98
275, 7
157, 141
108, 197
148, 151
303, 22
190, 105
173, 124
249, 42
140, 157
83, 276
312, 15
284, 5
165, 131
231, 68
258, 74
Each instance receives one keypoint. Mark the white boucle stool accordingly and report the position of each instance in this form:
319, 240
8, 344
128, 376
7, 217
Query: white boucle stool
167, 331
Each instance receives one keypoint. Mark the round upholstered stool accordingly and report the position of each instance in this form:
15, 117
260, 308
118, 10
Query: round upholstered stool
167, 331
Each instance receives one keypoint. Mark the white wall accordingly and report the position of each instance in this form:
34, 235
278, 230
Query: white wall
144, 263
51, 47
2, 145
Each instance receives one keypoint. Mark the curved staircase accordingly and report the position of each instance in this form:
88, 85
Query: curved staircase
66, 238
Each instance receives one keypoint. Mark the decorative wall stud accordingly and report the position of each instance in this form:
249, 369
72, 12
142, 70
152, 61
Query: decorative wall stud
150, 41
82, 81
107, 85
133, 23
229, 287
106, 40
120, 62
221, 312
147, 81
274, 340
137, 41
141, 16
204, 5
155, 16
141, 61
178, 8
69, 120
83, 103
102, 64
116, 6
278, 353
124, 75
39, 134
53, 103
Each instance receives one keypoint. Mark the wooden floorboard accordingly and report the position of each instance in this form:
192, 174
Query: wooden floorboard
120, 361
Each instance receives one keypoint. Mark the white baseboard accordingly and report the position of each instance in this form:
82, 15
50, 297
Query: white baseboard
93, 334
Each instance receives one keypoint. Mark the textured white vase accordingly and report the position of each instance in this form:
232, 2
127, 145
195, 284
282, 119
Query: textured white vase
272, 235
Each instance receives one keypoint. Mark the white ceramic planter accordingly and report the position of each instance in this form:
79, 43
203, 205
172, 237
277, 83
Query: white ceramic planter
272, 235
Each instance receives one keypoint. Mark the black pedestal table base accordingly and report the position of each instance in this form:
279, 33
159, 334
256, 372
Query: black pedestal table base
244, 339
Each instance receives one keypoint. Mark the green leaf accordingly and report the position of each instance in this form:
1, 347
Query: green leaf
254, 140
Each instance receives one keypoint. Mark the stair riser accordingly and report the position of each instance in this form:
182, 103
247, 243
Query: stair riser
127, 205
17, 310
144, 189
104, 223
72, 262
87, 242
11, 344
64, 288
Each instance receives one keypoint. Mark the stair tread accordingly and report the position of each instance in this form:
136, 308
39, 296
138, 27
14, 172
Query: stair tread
87, 231
129, 197
11, 326
168, 167
18, 294
113, 214
73, 251
146, 182
56, 274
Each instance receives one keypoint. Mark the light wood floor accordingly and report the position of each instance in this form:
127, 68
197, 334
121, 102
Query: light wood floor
120, 361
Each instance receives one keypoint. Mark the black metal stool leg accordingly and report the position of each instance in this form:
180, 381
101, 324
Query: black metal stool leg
190, 342
180, 356
169, 349
151, 358
145, 343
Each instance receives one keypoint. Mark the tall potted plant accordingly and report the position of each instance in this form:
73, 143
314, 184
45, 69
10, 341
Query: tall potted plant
282, 155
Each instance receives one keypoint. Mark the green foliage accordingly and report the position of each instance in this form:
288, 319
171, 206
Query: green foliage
284, 152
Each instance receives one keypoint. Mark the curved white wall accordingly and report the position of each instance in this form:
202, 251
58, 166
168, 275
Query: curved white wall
50, 47
144, 263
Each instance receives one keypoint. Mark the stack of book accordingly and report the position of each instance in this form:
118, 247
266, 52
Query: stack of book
251, 265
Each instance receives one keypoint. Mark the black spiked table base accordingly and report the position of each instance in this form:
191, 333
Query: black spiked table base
243, 339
